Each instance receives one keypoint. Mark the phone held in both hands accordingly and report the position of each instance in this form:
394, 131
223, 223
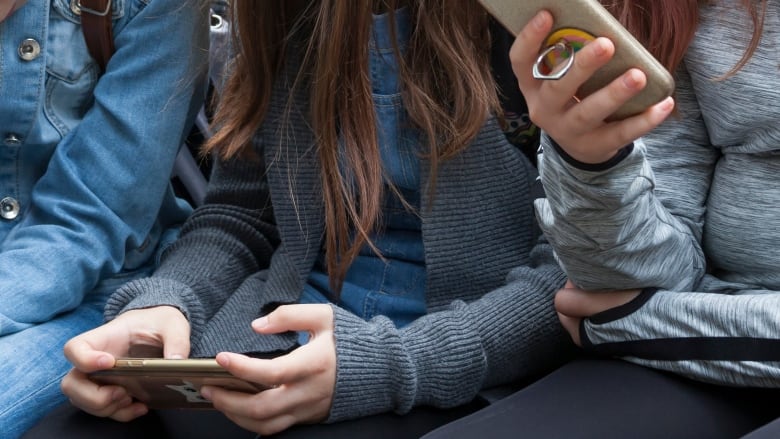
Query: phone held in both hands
575, 23
167, 384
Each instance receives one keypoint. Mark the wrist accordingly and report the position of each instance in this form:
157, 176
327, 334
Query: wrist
593, 163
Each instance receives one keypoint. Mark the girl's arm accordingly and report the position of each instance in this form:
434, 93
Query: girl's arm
106, 180
445, 358
721, 336
225, 241
626, 224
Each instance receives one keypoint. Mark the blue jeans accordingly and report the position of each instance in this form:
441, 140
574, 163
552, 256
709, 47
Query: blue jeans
33, 363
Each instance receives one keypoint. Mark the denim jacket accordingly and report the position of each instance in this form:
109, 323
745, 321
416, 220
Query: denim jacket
85, 159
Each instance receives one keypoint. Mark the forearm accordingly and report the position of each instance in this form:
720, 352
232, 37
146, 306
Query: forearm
41, 278
636, 222
611, 231
94, 209
443, 359
228, 239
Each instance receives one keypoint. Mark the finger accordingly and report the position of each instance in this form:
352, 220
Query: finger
626, 131
573, 302
254, 370
126, 414
163, 325
259, 406
525, 49
578, 303
586, 61
572, 326
176, 342
88, 395
268, 411
123, 410
83, 355
303, 362
265, 427
601, 104
100, 400
309, 317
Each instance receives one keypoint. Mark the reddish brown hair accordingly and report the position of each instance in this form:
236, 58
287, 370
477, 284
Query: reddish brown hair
666, 27
447, 90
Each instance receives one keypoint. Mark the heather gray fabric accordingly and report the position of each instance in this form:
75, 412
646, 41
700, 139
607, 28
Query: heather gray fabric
490, 287
693, 210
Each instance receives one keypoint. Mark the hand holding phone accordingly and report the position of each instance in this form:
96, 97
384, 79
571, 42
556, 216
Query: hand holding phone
146, 331
584, 126
577, 22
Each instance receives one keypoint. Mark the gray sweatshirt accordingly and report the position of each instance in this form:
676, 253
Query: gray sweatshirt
489, 291
691, 213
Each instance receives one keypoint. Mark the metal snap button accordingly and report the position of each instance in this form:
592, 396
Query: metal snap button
29, 49
75, 7
9, 208
12, 140
216, 21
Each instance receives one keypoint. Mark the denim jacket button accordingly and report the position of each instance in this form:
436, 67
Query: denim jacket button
75, 7
9, 208
29, 49
12, 140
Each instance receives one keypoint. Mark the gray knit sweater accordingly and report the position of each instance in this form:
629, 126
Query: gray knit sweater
489, 294
693, 210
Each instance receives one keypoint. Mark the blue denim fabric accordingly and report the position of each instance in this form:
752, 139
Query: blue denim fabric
87, 160
398, 143
33, 363
394, 287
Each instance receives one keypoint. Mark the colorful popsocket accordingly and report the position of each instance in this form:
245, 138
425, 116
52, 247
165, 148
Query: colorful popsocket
574, 40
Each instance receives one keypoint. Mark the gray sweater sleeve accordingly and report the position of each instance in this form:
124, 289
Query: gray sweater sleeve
225, 241
444, 358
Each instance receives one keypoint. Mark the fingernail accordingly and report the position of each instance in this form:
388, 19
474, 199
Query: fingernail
117, 394
175, 357
599, 48
205, 392
262, 322
105, 361
223, 359
631, 80
140, 411
540, 20
667, 104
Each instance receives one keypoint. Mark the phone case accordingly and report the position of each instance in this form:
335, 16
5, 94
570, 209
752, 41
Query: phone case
169, 384
578, 21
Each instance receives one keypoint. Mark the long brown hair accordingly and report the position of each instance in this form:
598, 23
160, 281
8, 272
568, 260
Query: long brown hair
666, 27
447, 90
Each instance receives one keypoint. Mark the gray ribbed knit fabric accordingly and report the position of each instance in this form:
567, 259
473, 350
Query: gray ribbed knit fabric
490, 285
704, 187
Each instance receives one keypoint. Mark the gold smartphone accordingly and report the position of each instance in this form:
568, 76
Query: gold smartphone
578, 21
167, 384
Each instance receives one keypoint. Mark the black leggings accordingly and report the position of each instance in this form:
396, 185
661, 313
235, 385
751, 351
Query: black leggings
68, 422
583, 399
616, 399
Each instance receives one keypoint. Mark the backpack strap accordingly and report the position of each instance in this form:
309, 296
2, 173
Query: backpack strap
96, 25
